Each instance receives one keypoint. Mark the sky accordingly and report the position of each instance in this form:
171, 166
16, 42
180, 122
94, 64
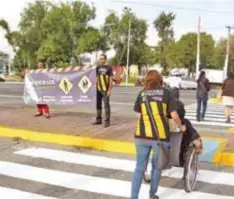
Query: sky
215, 15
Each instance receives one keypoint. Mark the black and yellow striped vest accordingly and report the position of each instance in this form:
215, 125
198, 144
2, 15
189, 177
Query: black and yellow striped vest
144, 123
103, 78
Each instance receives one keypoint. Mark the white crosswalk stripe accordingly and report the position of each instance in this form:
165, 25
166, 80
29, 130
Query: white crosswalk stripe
104, 185
214, 115
15, 194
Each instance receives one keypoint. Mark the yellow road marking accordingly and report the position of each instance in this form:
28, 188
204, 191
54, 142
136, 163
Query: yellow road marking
69, 140
223, 158
227, 159
231, 130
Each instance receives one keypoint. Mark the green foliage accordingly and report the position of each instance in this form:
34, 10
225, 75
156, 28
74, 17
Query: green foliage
116, 30
163, 25
54, 33
186, 49
61, 32
220, 53
132, 79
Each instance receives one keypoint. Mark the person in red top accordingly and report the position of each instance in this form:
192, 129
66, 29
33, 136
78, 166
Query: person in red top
42, 108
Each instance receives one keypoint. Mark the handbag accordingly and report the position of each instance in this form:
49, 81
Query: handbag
163, 161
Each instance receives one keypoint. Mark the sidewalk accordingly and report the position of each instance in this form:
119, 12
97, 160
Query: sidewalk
75, 129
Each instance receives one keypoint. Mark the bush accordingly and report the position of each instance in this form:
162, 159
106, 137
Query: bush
132, 79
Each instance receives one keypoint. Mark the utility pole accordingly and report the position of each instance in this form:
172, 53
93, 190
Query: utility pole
225, 68
128, 50
198, 47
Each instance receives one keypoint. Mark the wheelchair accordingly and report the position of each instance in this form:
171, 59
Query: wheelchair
190, 165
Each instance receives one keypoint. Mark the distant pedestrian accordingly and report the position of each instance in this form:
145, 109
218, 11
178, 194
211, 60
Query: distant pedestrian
42, 108
228, 96
104, 86
154, 103
203, 88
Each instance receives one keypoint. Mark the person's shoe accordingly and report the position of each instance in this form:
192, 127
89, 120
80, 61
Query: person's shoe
38, 115
154, 197
107, 124
97, 123
47, 116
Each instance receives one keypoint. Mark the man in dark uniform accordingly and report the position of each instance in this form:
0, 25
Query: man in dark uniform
104, 86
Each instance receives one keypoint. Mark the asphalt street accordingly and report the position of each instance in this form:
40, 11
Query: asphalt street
122, 102
122, 99
41, 171
11, 93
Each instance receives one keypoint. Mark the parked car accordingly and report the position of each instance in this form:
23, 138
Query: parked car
180, 82
2, 78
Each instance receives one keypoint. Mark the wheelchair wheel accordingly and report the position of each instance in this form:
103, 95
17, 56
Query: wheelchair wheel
190, 169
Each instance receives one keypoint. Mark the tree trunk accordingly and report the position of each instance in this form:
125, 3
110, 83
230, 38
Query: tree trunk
122, 54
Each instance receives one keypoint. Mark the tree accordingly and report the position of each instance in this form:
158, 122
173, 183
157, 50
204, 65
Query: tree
187, 48
54, 33
145, 55
91, 40
116, 32
11, 36
220, 53
31, 31
163, 25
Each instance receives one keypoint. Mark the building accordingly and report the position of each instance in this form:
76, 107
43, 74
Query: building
4, 62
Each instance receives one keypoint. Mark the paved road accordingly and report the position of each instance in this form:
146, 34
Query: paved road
122, 101
41, 171
12, 92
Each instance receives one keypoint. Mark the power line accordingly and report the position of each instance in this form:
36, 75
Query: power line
175, 7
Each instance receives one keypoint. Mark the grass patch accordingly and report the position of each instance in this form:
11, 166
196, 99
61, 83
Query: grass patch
16, 78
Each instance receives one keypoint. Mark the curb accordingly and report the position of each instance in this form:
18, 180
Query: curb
218, 156
215, 100
231, 130
227, 159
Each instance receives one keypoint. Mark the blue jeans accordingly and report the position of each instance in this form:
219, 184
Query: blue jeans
201, 101
143, 148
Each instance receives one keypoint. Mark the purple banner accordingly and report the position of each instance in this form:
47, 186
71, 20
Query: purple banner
67, 87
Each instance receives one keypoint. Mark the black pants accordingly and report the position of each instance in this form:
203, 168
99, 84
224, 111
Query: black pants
201, 102
103, 96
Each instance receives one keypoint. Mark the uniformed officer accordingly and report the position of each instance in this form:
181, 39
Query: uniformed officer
104, 86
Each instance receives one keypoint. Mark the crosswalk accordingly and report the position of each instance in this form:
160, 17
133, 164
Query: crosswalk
214, 115
111, 177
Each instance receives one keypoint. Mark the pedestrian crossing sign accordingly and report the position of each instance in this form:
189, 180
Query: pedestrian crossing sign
84, 84
65, 85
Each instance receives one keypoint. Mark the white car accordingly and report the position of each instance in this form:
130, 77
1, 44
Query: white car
180, 82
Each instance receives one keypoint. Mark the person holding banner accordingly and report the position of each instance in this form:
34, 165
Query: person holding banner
42, 108
104, 86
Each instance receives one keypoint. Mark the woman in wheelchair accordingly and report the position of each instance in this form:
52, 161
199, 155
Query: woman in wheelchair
190, 136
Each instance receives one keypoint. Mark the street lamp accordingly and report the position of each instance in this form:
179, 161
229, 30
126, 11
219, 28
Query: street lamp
225, 68
128, 48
